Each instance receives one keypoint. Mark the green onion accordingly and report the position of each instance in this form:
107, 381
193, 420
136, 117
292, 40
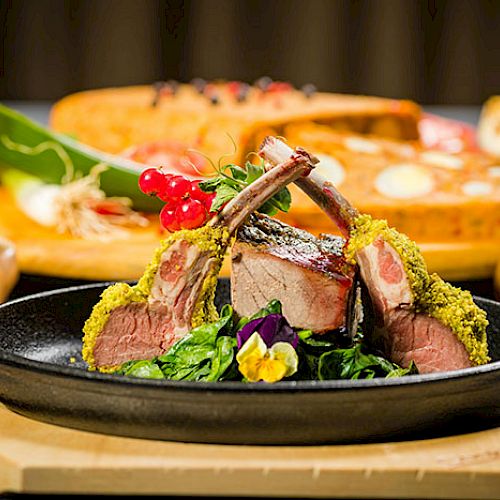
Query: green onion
50, 156
33, 197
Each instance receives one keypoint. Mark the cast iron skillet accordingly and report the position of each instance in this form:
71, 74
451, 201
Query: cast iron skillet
39, 335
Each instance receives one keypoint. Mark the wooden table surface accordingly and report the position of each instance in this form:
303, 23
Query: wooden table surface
42, 458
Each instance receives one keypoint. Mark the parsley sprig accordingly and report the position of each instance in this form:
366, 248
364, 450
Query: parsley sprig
232, 179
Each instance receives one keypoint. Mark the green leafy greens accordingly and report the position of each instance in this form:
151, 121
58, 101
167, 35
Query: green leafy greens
232, 179
203, 354
208, 353
353, 363
323, 359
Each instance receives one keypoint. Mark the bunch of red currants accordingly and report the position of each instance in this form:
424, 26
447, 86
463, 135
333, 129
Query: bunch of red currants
186, 205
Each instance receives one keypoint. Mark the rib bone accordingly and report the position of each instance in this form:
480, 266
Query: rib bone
318, 188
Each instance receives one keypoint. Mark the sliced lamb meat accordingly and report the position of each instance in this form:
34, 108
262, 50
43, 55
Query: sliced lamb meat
308, 275
418, 316
177, 290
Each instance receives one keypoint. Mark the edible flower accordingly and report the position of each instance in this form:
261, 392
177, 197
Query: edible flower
267, 349
257, 362
272, 328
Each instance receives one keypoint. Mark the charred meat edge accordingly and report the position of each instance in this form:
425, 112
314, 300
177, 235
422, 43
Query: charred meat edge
309, 276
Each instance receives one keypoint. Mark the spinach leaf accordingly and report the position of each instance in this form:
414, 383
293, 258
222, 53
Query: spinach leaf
205, 353
401, 372
210, 185
311, 347
280, 201
224, 193
353, 363
273, 307
253, 172
237, 172
141, 369
268, 209
326, 341
224, 356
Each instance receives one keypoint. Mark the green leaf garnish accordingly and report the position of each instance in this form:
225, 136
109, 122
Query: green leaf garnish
232, 179
353, 363
224, 193
141, 369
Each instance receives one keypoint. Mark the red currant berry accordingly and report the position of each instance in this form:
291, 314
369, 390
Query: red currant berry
196, 193
191, 214
151, 181
168, 219
176, 187
162, 194
209, 198
166, 175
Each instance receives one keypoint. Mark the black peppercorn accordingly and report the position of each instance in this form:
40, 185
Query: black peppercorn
309, 90
243, 92
199, 84
263, 82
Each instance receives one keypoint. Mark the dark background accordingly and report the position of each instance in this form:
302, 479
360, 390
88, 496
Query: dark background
433, 51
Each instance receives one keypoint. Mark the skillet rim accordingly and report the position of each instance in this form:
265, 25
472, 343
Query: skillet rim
67, 372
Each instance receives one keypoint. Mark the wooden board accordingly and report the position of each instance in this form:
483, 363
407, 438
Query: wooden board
41, 458
42, 251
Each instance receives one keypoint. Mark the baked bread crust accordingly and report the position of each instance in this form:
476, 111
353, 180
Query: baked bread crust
429, 195
116, 118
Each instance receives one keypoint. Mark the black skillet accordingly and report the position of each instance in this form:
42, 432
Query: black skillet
40, 334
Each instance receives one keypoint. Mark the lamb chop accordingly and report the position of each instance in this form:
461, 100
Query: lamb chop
308, 275
418, 317
177, 289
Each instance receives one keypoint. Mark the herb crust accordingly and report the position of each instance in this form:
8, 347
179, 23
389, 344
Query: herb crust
208, 239
431, 295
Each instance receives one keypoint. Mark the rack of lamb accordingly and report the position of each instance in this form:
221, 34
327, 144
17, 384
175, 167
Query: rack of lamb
176, 292
418, 316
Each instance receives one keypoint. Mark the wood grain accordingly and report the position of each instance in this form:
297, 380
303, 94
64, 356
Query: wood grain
37, 457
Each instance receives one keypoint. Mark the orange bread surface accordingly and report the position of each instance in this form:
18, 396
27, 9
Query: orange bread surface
117, 118
429, 195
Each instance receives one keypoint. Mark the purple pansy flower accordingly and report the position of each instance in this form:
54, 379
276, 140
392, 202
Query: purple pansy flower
272, 328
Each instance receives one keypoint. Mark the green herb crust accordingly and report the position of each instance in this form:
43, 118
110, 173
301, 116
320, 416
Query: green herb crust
433, 296
209, 239
456, 309
366, 230
114, 296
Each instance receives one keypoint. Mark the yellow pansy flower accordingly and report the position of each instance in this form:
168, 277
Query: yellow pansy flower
257, 362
